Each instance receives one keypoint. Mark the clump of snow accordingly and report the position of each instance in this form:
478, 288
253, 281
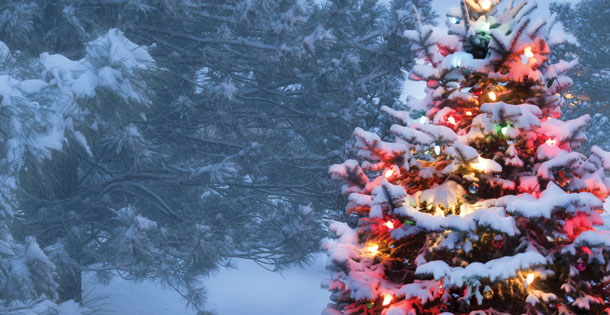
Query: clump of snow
496, 269
552, 199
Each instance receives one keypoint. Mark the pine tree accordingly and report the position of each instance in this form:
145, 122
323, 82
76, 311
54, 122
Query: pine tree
32, 127
478, 205
212, 155
592, 76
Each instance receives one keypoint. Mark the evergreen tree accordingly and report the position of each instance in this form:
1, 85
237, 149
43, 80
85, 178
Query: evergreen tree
478, 205
184, 134
583, 21
32, 127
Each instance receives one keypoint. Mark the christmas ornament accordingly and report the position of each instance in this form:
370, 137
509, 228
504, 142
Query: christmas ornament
473, 189
498, 241
580, 265
488, 293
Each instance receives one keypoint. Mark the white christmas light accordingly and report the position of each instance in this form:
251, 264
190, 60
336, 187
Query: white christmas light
423, 120
492, 95
485, 4
373, 249
480, 165
387, 299
551, 141
437, 149
528, 52
530, 278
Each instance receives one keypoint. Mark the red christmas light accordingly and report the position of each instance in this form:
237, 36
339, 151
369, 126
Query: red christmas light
551, 141
451, 120
388, 173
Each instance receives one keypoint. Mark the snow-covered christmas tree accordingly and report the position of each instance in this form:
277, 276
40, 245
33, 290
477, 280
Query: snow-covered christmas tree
478, 204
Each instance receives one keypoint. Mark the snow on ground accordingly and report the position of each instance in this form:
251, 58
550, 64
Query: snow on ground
249, 289
122, 297
253, 290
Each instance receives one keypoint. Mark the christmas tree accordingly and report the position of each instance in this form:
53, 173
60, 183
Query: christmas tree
477, 203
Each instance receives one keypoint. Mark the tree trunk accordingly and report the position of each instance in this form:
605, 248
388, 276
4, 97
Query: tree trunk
70, 286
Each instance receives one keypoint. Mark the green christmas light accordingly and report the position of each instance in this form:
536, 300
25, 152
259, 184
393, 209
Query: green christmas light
504, 130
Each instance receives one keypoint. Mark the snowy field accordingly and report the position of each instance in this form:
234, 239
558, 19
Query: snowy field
249, 289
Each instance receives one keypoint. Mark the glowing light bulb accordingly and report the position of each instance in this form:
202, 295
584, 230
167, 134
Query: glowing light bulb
551, 141
423, 120
504, 130
388, 173
373, 249
480, 165
437, 149
389, 224
530, 278
451, 120
492, 95
387, 299
485, 4
528, 52
468, 113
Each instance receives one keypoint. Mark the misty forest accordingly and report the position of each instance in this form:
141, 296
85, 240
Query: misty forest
162, 143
